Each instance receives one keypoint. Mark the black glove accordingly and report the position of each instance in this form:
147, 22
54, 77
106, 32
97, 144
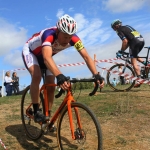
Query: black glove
98, 77
61, 79
119, 53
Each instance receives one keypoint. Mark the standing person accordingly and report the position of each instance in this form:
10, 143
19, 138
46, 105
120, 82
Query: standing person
37, 54
100, 88
132, 39
114, 82
15, 78
122, 80
8, 83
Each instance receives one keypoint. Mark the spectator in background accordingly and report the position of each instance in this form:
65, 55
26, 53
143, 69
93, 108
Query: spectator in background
127, 81
114, 82
8, 83
15, 79
122, 80
99, 86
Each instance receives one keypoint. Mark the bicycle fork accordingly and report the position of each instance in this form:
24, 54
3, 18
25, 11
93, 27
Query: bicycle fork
125, 65
70, 114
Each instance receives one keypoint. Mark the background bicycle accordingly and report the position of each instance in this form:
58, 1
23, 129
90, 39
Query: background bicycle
77, 126
126, 82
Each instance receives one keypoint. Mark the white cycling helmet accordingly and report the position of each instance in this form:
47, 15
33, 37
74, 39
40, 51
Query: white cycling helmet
67, 24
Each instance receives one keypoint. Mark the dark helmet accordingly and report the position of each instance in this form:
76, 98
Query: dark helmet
116, 22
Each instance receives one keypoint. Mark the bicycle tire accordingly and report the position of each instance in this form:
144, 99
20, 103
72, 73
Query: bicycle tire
120, 85
33, 130
90, 127
147, 73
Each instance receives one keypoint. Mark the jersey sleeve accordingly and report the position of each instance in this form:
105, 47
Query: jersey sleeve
47, 38
121, 35
76, 42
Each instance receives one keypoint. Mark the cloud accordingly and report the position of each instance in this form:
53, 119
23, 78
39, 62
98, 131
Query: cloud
14, 58
91, 7
60, 13
71, 9
11, 37
81, 21
48, 19
90, 30
119, 6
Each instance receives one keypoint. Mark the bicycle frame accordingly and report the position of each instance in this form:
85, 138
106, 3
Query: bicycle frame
125, 65
67, 101
147, 55
128, 61
127, 58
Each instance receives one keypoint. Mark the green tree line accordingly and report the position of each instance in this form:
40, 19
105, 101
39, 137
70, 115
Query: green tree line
83, 85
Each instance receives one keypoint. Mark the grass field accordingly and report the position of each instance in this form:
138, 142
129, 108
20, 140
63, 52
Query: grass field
124, 118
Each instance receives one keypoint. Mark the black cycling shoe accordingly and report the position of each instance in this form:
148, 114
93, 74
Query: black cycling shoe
39, 117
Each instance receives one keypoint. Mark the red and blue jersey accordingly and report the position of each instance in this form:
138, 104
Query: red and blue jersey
48, 37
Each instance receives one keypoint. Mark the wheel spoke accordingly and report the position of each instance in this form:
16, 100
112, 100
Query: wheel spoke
32, 129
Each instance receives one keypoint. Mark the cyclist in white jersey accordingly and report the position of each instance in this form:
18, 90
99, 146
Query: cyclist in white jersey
37, 54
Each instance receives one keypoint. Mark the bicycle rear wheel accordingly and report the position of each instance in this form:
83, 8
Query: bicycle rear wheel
122, 84
33, 130
147, 73
88, 137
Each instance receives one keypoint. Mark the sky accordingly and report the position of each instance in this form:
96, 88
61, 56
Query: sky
19, 20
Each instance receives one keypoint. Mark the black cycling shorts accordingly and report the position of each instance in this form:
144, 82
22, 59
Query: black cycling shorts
41, 62
136, 46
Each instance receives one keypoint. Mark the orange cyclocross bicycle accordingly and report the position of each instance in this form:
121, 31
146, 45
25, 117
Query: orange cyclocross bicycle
77, 126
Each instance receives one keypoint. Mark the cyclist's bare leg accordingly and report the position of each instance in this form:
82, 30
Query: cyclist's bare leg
51, 90
135, 66
34, 87
35, 72
140, 59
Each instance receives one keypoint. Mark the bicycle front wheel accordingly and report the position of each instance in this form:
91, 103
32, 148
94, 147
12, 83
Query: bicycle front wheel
88, 136
33, 130
120, 83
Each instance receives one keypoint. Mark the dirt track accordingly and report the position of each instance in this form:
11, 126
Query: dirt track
121, 130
